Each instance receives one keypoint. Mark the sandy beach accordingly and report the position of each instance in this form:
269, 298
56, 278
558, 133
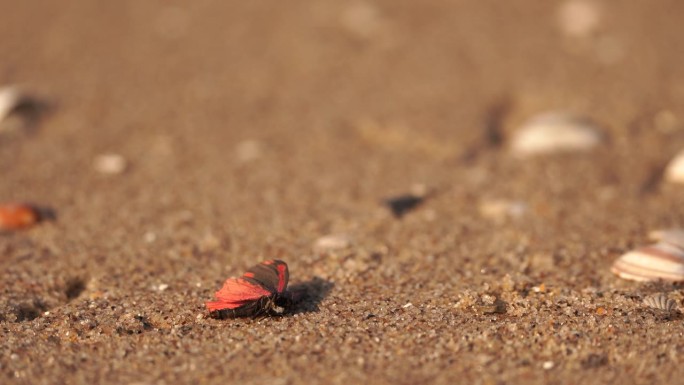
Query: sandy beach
176, 144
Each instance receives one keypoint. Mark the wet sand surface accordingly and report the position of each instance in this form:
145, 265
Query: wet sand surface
252, 129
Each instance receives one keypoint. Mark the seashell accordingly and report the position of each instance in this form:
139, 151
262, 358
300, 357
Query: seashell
500, 209
579, 18
111, 164
553, 132
671, 236
661, 302
17, 216
10, 98
332, 242
651, 263
674, 172
19, 110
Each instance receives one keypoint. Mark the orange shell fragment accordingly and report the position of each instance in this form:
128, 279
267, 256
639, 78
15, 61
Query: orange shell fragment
15, 216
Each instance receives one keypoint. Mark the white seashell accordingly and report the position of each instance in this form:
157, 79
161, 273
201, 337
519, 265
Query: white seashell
671, 236
661, 302
500, 209
661, 261
553, 132
10, 98
109, 164
579, 18
675, 169
332, 242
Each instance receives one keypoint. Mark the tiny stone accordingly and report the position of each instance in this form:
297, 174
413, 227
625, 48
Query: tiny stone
548, 365
407, 305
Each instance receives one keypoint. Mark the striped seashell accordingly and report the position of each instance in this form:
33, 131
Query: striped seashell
660, 261
661, 302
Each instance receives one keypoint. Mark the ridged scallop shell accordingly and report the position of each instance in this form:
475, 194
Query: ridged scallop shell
651, 263
555, 132
661, 302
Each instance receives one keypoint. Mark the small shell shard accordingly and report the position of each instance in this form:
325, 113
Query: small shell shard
10, 97
555, 132
17, 216
661, 261
332, 242
660, 301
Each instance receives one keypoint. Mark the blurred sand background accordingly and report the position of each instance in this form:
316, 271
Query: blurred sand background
250, 129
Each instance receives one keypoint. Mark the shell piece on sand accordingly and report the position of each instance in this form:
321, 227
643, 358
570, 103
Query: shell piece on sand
500, 209
332, 242
553, 132
671, 236
110, 164
15, 216
661, 261
10, 98
661, 302
675, 169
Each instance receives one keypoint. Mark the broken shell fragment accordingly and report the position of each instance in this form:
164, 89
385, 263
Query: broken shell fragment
10, 97
660, 302
110, 164
554, 132
674, 172
332, 242
661, 261
17, 216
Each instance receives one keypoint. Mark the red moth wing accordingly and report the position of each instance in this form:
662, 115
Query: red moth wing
237, 292
272, 275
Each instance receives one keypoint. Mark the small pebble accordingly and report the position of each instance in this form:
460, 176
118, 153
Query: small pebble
555, 132
111, 164
548, 365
